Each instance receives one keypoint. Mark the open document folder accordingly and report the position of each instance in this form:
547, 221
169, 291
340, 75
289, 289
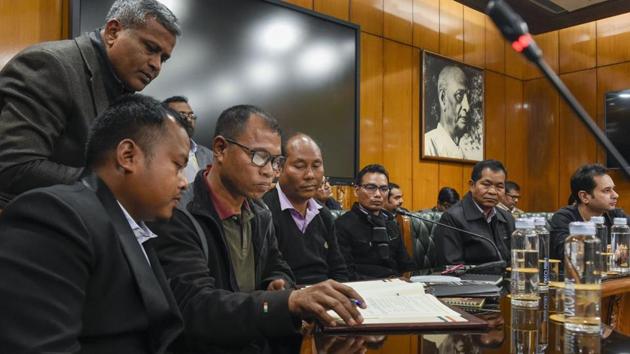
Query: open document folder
398, 305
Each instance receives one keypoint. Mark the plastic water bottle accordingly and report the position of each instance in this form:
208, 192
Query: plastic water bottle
543, 253
524, 284
582, 279
620, 241
601, 232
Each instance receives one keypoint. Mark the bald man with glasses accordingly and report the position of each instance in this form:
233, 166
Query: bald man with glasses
368, 235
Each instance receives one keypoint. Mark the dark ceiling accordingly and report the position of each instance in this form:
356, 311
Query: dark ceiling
541, 20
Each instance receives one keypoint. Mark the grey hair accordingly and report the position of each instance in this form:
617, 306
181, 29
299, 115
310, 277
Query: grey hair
133, 13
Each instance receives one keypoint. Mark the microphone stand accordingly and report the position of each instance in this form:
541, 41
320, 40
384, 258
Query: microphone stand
477, 236
515, 30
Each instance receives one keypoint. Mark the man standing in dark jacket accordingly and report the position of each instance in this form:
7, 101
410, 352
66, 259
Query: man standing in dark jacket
305, 229
368, 235
51, 92
594, 193
231, 284
490, 228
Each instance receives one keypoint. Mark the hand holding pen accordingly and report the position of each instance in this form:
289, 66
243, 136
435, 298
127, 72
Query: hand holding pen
314, 302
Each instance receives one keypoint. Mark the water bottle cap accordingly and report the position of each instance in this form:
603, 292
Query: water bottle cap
540, 221
621, 221
581, 228
598, 220
524, 223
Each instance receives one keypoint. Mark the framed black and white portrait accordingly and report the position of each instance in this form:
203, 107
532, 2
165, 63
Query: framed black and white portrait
452, 110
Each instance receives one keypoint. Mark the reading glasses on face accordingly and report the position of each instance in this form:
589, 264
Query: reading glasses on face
260, 157
370, 187
188, 115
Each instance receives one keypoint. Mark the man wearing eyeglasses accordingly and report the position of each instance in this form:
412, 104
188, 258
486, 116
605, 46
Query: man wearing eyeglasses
510, 198
199, 156
221, 255
368, 235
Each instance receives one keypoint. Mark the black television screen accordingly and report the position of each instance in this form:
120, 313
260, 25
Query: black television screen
618, 123
299, 66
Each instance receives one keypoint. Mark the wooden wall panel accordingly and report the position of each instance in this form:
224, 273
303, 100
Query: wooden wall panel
577, 47
542, 147
368, 14
622, 184
27, 22
452, 29
516, 132
398, 20
495, 53
426, 24
424, 172
307, 4
515, 63
336, 8
397, 106
613, 36
548, 43
474, 37
371, 122
577, 145
450, 174
495, 116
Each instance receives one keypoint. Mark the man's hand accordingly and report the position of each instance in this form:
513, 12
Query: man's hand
276, 284
315, 300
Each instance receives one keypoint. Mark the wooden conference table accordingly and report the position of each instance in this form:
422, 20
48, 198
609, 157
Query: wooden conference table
510, 329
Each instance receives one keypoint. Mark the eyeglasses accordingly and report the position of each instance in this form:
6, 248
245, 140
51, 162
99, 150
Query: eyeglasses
513, 196
260, 157
188, 115
371, 188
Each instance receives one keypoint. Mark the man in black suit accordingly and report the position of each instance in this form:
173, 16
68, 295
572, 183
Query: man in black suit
305, 229
51, 92
78, 270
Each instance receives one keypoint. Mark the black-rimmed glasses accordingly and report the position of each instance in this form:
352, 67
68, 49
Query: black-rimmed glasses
371, 188
260, 157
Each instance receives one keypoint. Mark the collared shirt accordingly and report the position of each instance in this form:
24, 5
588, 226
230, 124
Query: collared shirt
113, 85
141, 231
191, 169
237, 228
489, 216
302, 221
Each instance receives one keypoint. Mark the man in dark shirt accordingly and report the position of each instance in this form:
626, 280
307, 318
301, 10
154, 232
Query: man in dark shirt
394, 199
368, 235
232, 286
594, 193
51, 92
324, 196
489, 228
305, 230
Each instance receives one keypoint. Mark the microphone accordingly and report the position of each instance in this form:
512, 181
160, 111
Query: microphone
494, 264
515, 30
477, 236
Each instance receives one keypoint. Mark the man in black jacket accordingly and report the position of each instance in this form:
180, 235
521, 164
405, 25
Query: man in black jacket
305, 230
79, 274
369, 237
51, 92
230, 281
594, 193
490, 228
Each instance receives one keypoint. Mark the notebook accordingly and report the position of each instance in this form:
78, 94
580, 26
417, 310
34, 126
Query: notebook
471, 278
468, 290
398, 305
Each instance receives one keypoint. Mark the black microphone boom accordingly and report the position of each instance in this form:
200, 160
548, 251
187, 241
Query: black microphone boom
406, 213
515, 30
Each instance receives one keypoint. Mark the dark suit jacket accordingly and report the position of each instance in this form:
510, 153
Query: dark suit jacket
74, 278
456, 247
49, 95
